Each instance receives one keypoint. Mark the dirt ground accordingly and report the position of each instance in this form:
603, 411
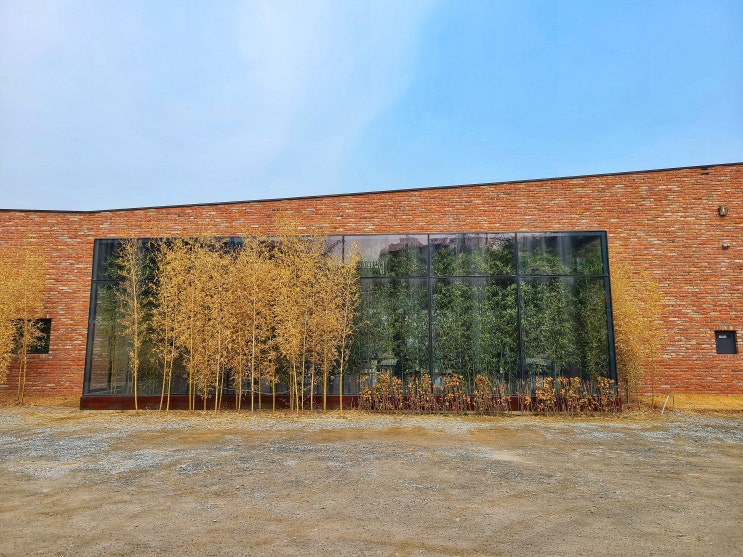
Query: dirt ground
116, 483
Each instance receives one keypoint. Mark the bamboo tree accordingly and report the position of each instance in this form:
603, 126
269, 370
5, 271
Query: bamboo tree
165, 319
8, 288
29, 303
254, 286
296, 260
637, 307
349, 295
222, 315
326, 348
133, 300
189, 285
22, 286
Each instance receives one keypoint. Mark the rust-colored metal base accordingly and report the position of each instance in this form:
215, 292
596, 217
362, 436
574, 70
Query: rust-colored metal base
180, 402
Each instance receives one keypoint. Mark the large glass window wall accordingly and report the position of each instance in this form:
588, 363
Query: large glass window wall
513, 307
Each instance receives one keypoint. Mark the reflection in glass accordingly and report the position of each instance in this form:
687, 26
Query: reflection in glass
564, 327
103, 252
108, 368
475, 329
560, 254
391, 255
472, 254
108, 355
468, 310
393, 332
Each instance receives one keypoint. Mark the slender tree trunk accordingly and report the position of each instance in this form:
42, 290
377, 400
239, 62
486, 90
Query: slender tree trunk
170, 382
325, 381
340, 377
23, 363
260, 388
252, 364
135, 364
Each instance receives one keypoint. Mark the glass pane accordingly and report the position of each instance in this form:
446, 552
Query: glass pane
564, 327
561, 254
390, 255
593, 326
334, 246
108, 366
103, 250
108, 371
472, 254
475, 329
393, 331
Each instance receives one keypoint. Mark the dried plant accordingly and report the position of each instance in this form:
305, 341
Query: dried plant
546, 395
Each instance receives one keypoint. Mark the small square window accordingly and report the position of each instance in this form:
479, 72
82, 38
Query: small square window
42, 345
725, 342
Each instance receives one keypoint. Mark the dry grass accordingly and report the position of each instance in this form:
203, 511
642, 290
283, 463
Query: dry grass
10, 398
698, 402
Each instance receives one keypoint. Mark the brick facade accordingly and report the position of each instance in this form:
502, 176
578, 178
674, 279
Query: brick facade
664, 221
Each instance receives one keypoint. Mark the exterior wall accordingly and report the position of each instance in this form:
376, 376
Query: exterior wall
665, 222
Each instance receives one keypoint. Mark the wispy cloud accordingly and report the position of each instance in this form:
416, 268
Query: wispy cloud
106, 104
321, 73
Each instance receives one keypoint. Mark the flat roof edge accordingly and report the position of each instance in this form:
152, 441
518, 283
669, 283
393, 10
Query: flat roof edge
353, 194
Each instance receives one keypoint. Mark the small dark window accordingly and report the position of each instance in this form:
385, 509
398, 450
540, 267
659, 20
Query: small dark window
725, 342
42, 345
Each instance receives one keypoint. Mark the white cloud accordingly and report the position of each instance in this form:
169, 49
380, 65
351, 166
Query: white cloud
322, 72
107, 104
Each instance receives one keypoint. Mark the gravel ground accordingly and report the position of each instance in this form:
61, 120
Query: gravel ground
116, 483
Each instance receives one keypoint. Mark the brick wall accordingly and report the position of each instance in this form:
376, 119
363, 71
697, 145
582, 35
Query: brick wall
665, 222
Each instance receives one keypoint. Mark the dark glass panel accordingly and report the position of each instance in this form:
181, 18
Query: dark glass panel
103, 250
472, 254
390, 255
334, 246
564, 327
351, 385
592, 327
108, 368
393, 330
475, 329
108, 358
561, 254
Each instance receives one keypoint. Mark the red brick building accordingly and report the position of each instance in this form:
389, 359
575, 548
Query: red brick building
684, 226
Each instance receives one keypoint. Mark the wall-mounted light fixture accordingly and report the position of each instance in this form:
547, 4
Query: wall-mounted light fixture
725, 245
722, 210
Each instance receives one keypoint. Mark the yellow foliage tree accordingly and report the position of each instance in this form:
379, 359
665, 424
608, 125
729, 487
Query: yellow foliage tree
637, 310
238, 312
133, 298
22, 286
8, 329
252, 283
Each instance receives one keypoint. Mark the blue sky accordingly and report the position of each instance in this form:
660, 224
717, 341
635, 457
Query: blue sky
108, 104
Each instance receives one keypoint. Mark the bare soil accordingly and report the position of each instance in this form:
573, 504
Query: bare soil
116, 483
